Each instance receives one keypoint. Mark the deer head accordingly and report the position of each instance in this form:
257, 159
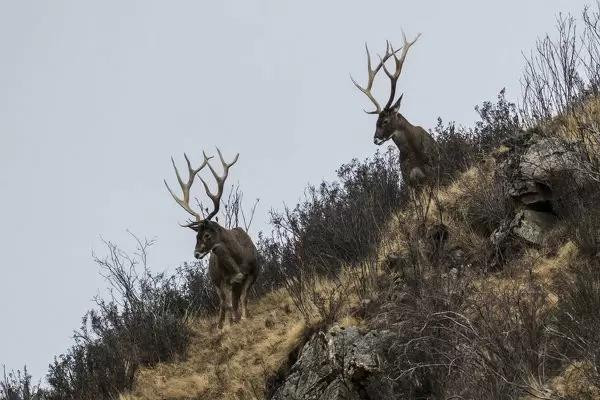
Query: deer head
208, 233
389, 121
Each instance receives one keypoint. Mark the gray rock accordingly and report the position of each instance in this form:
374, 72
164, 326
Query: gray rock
332, 366
529, 169
547, 156
532, 225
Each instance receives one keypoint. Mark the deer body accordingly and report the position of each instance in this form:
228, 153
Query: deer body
233, 265
234, 251
417, 148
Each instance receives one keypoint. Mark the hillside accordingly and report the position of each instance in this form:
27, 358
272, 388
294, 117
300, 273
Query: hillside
483, 283
243, 361
232, 363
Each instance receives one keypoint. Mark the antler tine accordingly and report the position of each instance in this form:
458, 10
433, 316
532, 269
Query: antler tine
372, 72
216, 198
399, 63
185, 187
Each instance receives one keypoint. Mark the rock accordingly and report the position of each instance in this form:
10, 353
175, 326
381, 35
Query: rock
547, 156
530, 167
532, 225
332, 366
529, 225
533, 163
529, 193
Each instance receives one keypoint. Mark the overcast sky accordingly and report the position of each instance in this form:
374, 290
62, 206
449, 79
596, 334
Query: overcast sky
95, 97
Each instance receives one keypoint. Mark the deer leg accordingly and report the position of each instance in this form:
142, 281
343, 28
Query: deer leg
238, 275
225, 303
222, 305
229, 301
244, 297
236, 290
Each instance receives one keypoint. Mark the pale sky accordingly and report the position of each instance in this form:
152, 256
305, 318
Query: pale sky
96, 97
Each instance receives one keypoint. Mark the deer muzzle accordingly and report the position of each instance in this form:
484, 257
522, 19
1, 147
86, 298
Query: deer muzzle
380, 137
379, 141
198, 254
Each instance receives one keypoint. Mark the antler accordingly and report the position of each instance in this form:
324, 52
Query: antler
216, 198
185, 187
389, 52
372, 73
399, 64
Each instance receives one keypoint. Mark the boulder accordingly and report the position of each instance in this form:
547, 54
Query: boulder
532, 225
533, 163
529, 168
332, 366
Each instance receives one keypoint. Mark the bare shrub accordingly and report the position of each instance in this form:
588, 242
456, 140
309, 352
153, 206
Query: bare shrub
561, 87
143, 323
462, 147
340, 222
456, 150
497, 122
467, 342
337, 224
577, 329
18, 386
483, 202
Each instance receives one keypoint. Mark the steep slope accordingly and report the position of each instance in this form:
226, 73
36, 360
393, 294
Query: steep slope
232, 364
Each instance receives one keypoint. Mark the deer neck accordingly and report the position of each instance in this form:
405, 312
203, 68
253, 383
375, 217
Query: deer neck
402, 132
402, 126
227, 242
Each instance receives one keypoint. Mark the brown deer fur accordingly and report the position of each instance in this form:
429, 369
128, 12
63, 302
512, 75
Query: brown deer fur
417, 147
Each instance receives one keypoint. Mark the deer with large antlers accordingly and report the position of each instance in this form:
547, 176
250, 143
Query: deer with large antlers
416, 145
233, 264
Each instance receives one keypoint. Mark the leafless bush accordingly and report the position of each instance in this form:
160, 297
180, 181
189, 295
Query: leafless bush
457, 149
462, 147
577, 328
18, 386
561, 87
337, 225
233, 210
483, 203
469, 342
143, 323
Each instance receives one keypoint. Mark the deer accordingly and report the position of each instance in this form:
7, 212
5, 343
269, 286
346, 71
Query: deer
417, 147
233, 265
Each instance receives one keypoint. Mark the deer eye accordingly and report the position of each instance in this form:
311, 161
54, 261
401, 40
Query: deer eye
385, 122
206, 236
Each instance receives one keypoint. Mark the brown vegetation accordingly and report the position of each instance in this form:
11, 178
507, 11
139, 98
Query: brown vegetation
468, 315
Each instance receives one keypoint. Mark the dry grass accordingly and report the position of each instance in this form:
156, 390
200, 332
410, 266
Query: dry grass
235, 363
232, 364
572, 383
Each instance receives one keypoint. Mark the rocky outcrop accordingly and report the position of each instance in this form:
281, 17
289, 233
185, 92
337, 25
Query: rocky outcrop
332, 365
530, 164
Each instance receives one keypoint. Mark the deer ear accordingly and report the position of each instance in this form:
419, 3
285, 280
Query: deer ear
396, 106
